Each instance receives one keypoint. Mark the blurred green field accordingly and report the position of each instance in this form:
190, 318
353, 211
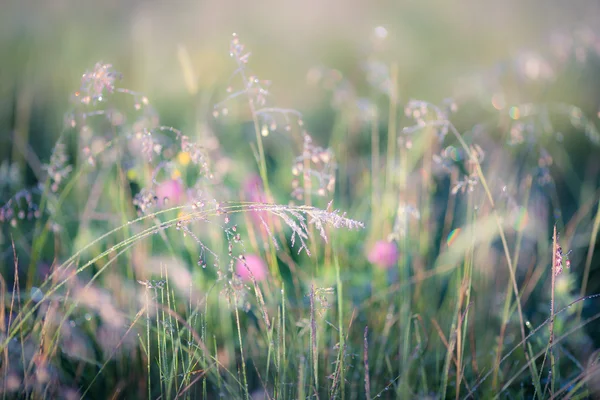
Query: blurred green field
342, 200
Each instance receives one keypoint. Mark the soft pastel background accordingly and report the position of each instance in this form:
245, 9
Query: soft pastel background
45, 45
487, 58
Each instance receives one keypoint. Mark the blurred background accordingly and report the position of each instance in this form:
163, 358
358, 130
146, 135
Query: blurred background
331, 60
320, 57
45, 46
177, 54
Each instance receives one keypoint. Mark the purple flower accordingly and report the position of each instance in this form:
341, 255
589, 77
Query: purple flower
94, 84
384, 254
170, 192
251, 265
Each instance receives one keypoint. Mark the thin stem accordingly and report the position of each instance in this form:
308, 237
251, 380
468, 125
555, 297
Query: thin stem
366, 362
507, 301
488, 193
375, 190
313, 339
392, 128
243, 361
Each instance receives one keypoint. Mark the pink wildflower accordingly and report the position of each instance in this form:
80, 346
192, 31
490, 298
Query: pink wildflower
170, 192
252, 264
384, 254
254, 192
253, 189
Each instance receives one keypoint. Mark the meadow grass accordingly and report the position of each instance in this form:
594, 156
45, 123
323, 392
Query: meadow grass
152, 263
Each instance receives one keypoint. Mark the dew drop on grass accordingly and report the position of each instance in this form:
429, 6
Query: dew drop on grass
264, 131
